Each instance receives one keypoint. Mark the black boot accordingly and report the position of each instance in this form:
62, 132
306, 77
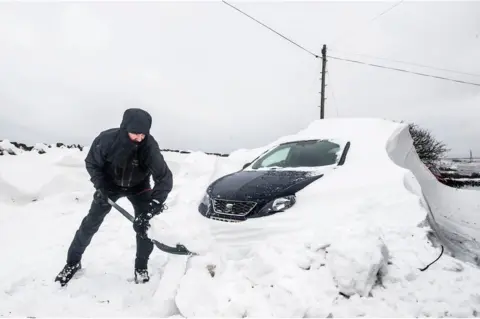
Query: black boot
141, 276
67, 273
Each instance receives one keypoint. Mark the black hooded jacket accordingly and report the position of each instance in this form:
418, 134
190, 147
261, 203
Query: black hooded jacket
116, 162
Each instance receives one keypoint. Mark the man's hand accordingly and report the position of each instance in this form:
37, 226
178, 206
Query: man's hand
141, 223
101, 195
155, 207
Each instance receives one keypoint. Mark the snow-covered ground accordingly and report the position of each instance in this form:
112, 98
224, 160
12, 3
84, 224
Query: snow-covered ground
351, 246
464, 166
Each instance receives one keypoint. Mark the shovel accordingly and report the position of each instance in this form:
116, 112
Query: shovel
178, 250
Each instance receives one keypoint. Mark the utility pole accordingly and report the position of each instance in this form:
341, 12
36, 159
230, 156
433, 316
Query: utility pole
322, 93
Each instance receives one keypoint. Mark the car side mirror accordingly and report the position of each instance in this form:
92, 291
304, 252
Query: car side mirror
245, 165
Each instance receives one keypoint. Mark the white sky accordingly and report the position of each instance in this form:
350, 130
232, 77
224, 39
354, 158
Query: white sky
215, 80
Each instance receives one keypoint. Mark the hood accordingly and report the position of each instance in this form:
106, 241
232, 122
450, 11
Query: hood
262, 184
136, 121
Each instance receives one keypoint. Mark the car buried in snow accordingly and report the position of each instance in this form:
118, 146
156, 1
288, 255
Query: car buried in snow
269, 184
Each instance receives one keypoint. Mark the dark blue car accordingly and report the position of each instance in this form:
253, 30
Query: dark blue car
268, 184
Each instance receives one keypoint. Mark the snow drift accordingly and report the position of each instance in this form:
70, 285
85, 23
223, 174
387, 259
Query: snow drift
453, 213
351, 246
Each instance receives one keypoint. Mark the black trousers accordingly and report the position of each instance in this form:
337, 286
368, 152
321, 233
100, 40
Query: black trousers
91, 223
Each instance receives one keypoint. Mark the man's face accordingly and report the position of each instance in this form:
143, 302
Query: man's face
136, 137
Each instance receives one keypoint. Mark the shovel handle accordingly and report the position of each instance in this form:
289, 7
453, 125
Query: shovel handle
178, 250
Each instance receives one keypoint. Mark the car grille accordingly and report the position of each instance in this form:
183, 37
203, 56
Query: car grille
233, 208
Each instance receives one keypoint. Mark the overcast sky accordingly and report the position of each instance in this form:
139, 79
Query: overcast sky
215, 80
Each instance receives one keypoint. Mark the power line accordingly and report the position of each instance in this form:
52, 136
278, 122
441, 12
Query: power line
381, 14
409, 63
402, 70
353, 61
375, 18
315, 55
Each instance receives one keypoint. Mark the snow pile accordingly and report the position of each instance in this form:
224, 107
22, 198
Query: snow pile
41, 148
71, 161
243, 156
8, 148
10, 194
14, 148
352, 245
357, 263
32, 177
261, 282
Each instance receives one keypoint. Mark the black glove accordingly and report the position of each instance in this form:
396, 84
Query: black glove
155, 207
101, 195
102, 191
141, 223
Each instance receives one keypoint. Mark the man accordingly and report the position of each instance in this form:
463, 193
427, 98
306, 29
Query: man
120, 163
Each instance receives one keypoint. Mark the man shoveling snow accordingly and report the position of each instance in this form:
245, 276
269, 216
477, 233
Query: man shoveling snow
120, 163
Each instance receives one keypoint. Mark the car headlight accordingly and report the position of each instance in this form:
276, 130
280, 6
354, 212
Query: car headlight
279, 205
283, 203
206, 200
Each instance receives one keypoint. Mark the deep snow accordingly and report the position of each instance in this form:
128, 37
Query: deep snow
363, 219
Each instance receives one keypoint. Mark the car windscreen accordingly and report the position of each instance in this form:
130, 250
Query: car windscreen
311, 153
